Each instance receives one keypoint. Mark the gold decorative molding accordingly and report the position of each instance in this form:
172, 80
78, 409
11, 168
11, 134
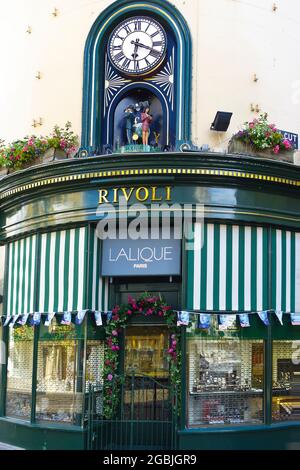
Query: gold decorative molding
149, 172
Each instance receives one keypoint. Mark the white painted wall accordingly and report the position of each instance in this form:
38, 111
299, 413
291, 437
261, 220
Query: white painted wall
232, 40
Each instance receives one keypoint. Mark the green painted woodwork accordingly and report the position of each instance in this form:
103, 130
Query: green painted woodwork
93, 76
75, 202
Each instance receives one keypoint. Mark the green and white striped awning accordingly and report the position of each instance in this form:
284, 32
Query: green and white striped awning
21, 276
51, 273
62, 270
285, 270
229, 269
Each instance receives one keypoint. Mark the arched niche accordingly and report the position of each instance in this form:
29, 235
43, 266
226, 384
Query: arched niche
103, 88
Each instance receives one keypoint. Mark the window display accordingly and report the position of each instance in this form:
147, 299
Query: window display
2, 268
59, 375
19, 373
225, 381
286, 381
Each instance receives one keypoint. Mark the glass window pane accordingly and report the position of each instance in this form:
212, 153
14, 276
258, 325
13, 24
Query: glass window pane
225, 381
286, 381
59, 376
2, 269
19, 372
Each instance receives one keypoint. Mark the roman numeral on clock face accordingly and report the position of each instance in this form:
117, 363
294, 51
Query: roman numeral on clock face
154, 34
117, 48
138, 26
155, 54
126, 63
119, 56
136, 65
157, 43
127, 29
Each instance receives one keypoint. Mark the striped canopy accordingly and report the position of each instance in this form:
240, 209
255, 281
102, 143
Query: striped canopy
243, 268
50, 273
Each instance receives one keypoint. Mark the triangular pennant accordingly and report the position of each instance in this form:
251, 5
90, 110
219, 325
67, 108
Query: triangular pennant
244, 320
67, 318
109, 315
226, 321
14, 319
279, 315
36, 319
98, 318
264, 317
7, 320
49, 318
183, 318
80, 317
295, 319
23, 319
204, 320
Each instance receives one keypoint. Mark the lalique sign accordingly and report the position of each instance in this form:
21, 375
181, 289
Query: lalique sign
141, 257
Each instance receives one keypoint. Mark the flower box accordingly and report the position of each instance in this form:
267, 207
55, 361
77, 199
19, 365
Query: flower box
237, 146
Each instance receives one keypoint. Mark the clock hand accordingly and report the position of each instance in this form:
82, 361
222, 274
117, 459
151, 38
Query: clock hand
138, 44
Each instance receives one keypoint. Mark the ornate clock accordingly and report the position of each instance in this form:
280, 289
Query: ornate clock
137, 46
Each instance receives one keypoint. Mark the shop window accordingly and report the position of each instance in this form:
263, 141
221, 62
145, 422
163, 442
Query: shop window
2, 270
59, 395
225, 380
19, 373
286, 381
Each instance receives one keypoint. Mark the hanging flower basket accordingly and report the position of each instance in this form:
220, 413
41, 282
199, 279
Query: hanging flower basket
261, 139
242, 148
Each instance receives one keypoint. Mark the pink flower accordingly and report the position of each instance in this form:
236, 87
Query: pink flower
251, 125
171, 351
160, 313
115, 347
114, 333
110, 377
116, 309
276, 149
107, 362
174, 344
287, 144
129, 312
149, 311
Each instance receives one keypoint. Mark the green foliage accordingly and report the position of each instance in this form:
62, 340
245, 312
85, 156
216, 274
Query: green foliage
262, 135
146, 305
21, 152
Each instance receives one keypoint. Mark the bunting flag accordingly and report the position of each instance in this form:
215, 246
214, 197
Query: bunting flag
183, 318
244, 320
98, 318
23, 320
204, 321
36, 319
226, 321
67, 318
279, 315
7, 320
49, 318
264, 317
295, 319
14, 319
80, 317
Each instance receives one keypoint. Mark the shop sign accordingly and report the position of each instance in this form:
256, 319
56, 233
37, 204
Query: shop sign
141, 257
291, 137
138, 193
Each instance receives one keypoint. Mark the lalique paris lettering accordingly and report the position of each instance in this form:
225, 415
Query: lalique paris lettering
146, 254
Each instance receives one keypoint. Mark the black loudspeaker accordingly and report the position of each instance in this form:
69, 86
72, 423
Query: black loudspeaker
221, 121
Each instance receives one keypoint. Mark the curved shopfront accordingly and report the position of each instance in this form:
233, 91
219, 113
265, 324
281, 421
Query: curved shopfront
240, 381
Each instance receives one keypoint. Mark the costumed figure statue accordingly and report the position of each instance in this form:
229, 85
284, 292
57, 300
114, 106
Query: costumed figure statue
146, 121
129, 123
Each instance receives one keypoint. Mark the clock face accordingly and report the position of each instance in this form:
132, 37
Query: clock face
138, 45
